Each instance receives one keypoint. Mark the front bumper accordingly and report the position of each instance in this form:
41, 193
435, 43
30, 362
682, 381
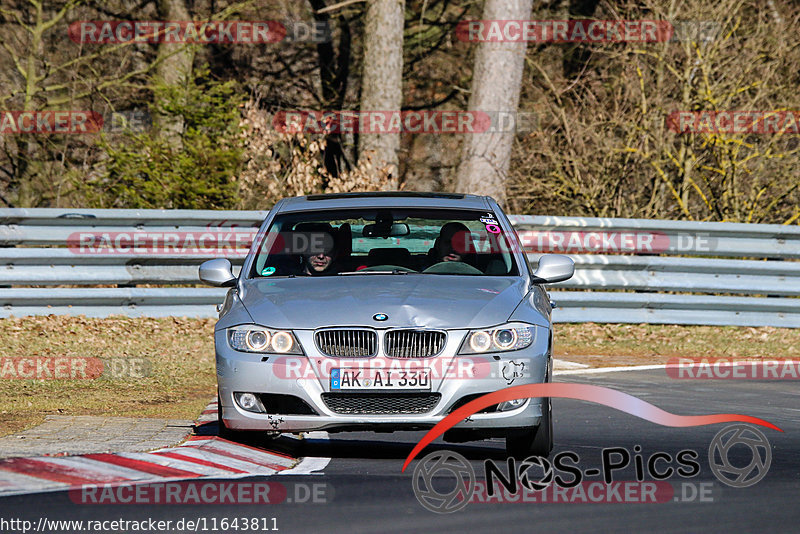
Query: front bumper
308, 377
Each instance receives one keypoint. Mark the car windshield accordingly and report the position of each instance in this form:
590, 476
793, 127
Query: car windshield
385, 241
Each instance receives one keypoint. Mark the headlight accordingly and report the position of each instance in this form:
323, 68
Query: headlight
252, 338
257, 340
480, 341
513, 336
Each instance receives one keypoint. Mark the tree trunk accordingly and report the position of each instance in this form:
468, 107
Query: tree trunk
334, 70
496, 83
381, 85
174, 69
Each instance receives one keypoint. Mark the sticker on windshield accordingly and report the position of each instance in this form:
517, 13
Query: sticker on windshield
267, 271
492, 226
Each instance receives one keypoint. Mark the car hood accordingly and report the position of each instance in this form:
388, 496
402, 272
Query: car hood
433, 301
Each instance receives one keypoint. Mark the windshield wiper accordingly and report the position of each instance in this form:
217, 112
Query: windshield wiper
393, 271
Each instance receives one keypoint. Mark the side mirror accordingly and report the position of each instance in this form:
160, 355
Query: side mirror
554, 268
217, 273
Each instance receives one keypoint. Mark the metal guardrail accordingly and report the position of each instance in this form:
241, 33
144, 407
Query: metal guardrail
627, 270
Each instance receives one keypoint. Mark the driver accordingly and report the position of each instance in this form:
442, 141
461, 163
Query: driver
318, 264
320, 261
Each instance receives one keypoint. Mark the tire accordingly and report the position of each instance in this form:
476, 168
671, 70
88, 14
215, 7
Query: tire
223, 431
537, 441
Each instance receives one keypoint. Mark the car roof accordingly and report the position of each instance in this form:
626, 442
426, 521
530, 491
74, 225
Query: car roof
386, 199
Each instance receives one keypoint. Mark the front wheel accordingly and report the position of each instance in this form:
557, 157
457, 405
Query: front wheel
537, 441
223, 431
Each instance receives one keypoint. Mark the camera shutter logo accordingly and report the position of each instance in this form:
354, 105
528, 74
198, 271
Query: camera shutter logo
526, 476
734, 475
443, 463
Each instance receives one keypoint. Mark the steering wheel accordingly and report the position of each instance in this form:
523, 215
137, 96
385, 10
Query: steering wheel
388, 268
452, 267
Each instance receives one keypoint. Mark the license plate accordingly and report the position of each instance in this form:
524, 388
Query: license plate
380, 379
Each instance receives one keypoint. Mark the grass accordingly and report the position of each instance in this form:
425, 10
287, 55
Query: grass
181, 353
604, 345
181, 380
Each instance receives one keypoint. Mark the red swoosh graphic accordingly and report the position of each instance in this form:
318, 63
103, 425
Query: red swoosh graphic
597, 394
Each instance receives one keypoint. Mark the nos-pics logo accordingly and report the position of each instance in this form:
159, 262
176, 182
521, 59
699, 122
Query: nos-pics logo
444, 481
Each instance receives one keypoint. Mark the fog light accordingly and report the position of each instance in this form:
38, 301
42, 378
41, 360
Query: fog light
248, 402
510, 405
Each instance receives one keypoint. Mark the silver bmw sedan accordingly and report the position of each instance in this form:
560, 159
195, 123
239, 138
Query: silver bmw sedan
385, 311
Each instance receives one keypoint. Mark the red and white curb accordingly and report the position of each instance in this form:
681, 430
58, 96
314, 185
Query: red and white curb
198, 457
209, 414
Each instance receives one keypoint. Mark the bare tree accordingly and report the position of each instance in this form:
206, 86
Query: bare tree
496, 83
606, 148
47, 72
381, 84
334, 70
174, 68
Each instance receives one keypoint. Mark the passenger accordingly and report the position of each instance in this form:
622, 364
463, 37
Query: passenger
451, 245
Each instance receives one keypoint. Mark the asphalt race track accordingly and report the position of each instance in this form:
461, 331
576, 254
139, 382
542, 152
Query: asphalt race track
362, 488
